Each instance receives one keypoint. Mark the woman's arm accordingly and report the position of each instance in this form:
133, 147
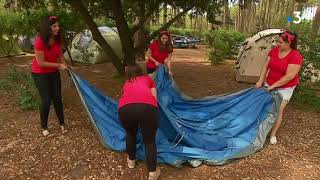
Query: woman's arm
168, 62
151, 58
154, 92
43, 63
62, 60
292, 71
263, 74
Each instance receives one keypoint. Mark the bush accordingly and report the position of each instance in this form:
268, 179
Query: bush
310, 49
21, 86
9, 28
306, 99
306, 95
221, 43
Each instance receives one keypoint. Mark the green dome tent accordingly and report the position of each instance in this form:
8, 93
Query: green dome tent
9, 46
84, 49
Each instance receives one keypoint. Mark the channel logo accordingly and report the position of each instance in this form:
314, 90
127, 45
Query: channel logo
297, 18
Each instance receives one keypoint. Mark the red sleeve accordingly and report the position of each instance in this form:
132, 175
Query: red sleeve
272, 51
39, 45
152, 84
153, 45
296, 58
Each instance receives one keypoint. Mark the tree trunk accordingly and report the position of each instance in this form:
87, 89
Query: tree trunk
252, 25
124, 32
300, 6
290, 10
243, 18
280, 13
185, 21
226, 15
265, 14
165, 13
271, 3
316, 22
195, 22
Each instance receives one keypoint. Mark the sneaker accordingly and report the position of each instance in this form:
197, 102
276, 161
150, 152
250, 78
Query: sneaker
273, 140
131, 163
62, 128
154, 175
45, 132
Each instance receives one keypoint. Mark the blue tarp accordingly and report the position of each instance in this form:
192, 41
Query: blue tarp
212, 130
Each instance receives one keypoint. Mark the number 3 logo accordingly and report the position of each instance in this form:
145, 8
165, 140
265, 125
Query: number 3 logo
297, 15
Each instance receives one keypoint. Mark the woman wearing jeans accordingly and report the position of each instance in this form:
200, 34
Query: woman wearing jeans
138, 108
48, 59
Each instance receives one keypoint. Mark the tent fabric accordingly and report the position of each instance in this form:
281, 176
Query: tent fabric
9, 46
212, 130
84, 49
253, 54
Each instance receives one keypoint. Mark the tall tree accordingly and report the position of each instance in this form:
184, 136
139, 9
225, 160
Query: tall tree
165, 13
316, 22
226, 17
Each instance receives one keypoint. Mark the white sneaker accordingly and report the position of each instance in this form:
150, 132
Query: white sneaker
45, 132
154, 175
131, 163
62, 129
273, 140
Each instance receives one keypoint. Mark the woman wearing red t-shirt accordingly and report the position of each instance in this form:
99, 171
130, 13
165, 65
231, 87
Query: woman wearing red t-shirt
280, 73
138, 108
160, 52
48, 59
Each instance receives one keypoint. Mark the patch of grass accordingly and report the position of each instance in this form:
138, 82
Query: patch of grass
306, 99
21, 86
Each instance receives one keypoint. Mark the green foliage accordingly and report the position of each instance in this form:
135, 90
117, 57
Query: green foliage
306, 96
222, 42
26, 23
69, 21
306, 99
310, 48
9, 28
20, 84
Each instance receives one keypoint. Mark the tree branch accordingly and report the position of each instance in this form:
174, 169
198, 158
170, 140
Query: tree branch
168, 24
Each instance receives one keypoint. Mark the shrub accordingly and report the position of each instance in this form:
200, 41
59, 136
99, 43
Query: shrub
222, 43
21, 86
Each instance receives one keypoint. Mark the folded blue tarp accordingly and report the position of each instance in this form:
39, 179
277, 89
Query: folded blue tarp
212, 130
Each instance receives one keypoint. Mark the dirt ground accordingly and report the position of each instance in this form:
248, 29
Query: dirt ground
78, 154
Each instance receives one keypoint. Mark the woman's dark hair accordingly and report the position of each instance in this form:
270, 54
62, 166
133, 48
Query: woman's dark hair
133, 71
286, 38
45, 30
168, 45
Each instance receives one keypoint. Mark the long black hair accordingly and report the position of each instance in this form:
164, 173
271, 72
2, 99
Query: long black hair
46, 32
286, 38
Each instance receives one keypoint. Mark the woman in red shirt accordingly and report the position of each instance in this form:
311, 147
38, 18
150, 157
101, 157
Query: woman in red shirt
160, 52
48, 59
280, 73
138, 108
